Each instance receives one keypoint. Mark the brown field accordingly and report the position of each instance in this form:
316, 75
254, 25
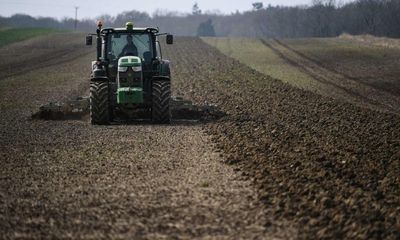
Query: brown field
282, 163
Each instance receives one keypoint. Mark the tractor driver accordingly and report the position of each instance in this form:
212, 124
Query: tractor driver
130, 49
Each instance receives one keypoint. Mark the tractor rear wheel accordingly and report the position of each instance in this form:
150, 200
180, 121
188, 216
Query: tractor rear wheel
161, 96
99, 103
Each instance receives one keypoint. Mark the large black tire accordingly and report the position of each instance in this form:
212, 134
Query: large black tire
99, 103
161, 97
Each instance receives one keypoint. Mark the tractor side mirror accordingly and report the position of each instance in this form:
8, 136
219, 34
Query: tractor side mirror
89, 40
170, 39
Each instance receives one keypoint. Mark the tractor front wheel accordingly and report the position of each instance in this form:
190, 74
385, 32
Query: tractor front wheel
161, 97
99, 103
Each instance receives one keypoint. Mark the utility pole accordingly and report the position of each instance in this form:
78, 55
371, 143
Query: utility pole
76, 18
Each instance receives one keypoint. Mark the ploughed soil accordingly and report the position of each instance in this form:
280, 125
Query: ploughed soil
22, 57
281, 163
331, 169
69, 179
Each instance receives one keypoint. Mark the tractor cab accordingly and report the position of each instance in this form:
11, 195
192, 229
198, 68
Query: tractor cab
114, 43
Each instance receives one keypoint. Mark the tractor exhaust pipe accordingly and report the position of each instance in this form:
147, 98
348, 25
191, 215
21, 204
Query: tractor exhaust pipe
98, 39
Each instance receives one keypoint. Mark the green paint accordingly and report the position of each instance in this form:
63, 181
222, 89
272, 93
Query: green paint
129, 95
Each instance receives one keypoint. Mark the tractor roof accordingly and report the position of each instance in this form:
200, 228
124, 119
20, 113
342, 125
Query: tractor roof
133, 30
127, 29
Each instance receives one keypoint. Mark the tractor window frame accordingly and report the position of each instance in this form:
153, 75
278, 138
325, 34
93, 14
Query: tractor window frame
122, 35
158, 49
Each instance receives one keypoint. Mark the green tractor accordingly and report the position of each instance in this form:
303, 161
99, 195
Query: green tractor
129, 79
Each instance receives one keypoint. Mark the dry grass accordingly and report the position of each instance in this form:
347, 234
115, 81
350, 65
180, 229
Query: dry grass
372, 40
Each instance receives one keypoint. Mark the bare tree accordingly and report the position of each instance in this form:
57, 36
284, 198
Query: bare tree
324, 18
258, 6
196, 9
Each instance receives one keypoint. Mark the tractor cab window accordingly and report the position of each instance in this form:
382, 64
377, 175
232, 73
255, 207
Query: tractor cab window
130, 44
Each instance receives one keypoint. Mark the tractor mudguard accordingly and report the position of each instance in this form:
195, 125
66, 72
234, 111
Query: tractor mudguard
164, 68
98, 74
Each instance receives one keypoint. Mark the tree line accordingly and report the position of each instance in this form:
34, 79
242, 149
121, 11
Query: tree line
323, 18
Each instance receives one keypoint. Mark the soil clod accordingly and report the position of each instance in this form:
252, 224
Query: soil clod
79, 108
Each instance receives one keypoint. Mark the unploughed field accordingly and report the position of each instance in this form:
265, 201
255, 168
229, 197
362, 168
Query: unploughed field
282, 163
12, 35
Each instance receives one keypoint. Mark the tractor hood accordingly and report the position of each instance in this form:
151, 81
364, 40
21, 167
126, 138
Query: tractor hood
129, 61
130, 80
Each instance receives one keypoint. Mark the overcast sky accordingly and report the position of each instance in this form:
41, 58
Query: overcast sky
93, 8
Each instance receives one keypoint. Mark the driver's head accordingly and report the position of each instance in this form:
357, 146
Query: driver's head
129, 38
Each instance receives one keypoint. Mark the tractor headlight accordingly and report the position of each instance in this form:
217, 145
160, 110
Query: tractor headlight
122, 69
137, 69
